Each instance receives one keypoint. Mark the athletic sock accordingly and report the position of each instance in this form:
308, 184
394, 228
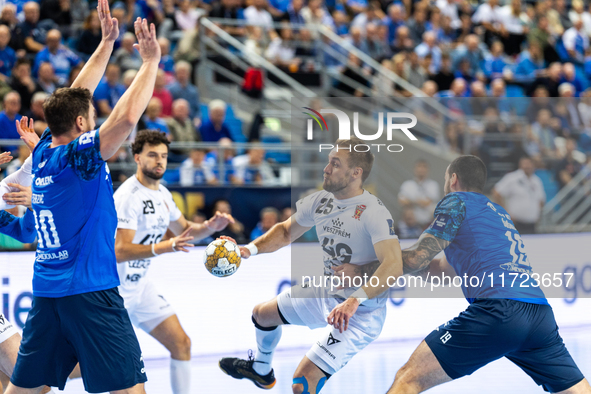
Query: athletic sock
267, 341
180, 376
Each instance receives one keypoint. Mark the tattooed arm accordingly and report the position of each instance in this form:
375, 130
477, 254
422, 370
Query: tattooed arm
418, 257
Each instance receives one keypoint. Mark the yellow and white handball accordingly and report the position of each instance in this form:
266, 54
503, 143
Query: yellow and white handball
222, 258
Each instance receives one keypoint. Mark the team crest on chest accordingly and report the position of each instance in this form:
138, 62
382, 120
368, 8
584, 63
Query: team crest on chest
358, 211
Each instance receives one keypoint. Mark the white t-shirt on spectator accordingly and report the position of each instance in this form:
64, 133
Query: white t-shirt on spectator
188, 21
486, 14
523, 196
278, 51
569, 39
450, 9
259, 18
413, 191
241, 165
512, 23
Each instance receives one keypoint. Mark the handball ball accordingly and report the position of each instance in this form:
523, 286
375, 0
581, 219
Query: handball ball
222, 258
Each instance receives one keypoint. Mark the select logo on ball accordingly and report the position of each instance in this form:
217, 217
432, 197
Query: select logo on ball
222, 258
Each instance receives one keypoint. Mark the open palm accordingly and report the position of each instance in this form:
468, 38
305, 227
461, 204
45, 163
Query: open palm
109, 25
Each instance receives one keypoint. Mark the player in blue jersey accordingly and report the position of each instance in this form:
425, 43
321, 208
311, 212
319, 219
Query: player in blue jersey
77, 314
502, 320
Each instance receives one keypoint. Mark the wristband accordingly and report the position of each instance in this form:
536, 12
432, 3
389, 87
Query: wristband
360, 295
153, 252
174, 245
252, 248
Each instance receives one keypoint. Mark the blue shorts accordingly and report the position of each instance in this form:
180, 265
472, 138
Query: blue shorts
90, 328
489, 329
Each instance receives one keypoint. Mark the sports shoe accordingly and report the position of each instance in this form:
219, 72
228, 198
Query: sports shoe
240, 369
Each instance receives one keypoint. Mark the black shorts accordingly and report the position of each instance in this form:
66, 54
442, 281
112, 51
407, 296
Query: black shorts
489, 329
90, 328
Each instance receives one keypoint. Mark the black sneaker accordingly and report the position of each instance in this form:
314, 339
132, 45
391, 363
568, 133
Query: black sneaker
240, 369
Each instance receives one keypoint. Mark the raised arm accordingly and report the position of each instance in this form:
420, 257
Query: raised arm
216, 223
133, 103
278, 236
93, 71
126, 250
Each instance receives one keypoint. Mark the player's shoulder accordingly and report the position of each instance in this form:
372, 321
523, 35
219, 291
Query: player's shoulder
453, 202
313, 198
130, 189
373, 204
165, 192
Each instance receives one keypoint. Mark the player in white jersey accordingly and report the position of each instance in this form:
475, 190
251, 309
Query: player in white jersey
356, 233
145, 211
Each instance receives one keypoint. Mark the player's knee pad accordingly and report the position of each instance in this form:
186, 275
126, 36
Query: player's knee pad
304, 382
257, 325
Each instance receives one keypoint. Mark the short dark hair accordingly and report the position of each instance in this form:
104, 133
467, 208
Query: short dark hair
150, 137
64, 106
363, 159
471, 172
21, 61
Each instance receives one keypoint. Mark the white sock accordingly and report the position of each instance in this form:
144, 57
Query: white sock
266, 343
180, 376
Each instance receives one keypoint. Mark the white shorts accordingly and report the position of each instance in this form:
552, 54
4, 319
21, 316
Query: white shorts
147, 308
333, 350
7, 329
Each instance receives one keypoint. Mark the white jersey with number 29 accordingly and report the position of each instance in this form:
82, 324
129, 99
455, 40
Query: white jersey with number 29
148, 212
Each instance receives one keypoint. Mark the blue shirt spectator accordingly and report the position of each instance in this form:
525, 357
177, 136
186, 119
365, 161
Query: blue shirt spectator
394, 20
61, 58
494, 64
529, 63
12, 105
212, 133
152, 119
108, 92
280, 5
7, 60
214, 128
183, 88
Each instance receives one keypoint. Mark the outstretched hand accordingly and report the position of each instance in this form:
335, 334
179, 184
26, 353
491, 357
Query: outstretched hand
22, 195
147, 45
5, 157
244, 253
219, 221
27, 132
109, 25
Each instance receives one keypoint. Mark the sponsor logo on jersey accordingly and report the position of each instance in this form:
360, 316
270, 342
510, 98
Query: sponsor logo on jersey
133, 278
337, 222
491, 206
2, 321
326, 350
139, 264
336, 231
62, 255
391, 226
46, 180
440, 222
42, 164
331, 340
123, 220
358, 211
37, 198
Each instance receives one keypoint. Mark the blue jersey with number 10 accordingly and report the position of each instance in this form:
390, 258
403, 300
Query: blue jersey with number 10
75, 218
486, 246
